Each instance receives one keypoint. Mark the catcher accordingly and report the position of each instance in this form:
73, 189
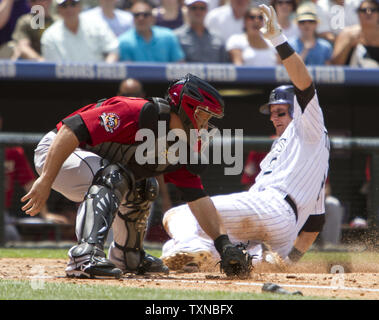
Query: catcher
284, 209
90, 157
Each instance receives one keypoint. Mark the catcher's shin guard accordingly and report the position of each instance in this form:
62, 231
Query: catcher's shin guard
129, 230
94, 220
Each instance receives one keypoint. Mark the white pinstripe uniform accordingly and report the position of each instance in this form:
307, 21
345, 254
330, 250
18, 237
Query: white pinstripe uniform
296, 166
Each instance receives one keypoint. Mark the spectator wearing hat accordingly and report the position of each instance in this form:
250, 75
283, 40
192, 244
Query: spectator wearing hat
197, 42
146, 42
313, 50
118, 20
77, 39
28, 37
228, 19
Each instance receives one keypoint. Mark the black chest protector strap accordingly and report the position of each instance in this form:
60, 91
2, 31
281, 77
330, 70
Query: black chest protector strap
163, 108
157, 109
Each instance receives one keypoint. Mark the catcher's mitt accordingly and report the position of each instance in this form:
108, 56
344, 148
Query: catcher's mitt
235, 261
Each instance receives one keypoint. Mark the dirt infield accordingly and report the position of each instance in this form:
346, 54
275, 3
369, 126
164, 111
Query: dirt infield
361, 281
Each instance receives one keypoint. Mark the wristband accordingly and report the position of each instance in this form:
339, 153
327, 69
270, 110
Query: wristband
284, 50
221, 242
281, 45
295, 255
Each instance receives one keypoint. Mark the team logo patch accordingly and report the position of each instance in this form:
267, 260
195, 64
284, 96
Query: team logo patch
110, 121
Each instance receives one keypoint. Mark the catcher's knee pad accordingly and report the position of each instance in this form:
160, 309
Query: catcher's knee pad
101, 203
130, 224
145, 190
117, 178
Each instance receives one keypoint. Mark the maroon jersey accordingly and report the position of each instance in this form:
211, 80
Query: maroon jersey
109, 130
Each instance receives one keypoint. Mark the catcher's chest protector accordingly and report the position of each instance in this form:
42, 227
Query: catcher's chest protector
157, 109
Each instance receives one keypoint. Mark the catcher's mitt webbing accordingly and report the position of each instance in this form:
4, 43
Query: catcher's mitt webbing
235, 261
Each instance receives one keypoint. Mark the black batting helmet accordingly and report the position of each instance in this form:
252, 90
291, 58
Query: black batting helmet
280, 95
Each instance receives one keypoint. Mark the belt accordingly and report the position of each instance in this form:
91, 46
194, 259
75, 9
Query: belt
292, 204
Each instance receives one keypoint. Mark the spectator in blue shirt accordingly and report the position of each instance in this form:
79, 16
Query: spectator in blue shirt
147, 42
313, 50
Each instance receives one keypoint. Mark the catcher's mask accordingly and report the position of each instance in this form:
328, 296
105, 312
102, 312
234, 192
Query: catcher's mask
195, 101
280, 95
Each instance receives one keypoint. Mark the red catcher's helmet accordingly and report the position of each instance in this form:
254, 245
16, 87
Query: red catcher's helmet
190, 94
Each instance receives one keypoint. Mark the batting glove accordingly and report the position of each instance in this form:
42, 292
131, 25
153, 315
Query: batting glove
272, 30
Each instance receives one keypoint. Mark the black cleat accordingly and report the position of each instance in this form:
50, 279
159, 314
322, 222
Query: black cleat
91, 264
93, 272
152, 264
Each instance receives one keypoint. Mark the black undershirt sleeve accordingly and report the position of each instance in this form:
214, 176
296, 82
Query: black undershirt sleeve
314, 223
76, 124
305, 96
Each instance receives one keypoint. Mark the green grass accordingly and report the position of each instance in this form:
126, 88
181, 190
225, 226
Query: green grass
34, 253
46, 253
366, 256
29, 290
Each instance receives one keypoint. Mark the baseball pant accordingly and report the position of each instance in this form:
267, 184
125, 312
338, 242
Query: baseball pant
77, 172
249, 217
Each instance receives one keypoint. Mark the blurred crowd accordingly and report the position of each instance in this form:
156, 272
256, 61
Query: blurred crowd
323, 32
